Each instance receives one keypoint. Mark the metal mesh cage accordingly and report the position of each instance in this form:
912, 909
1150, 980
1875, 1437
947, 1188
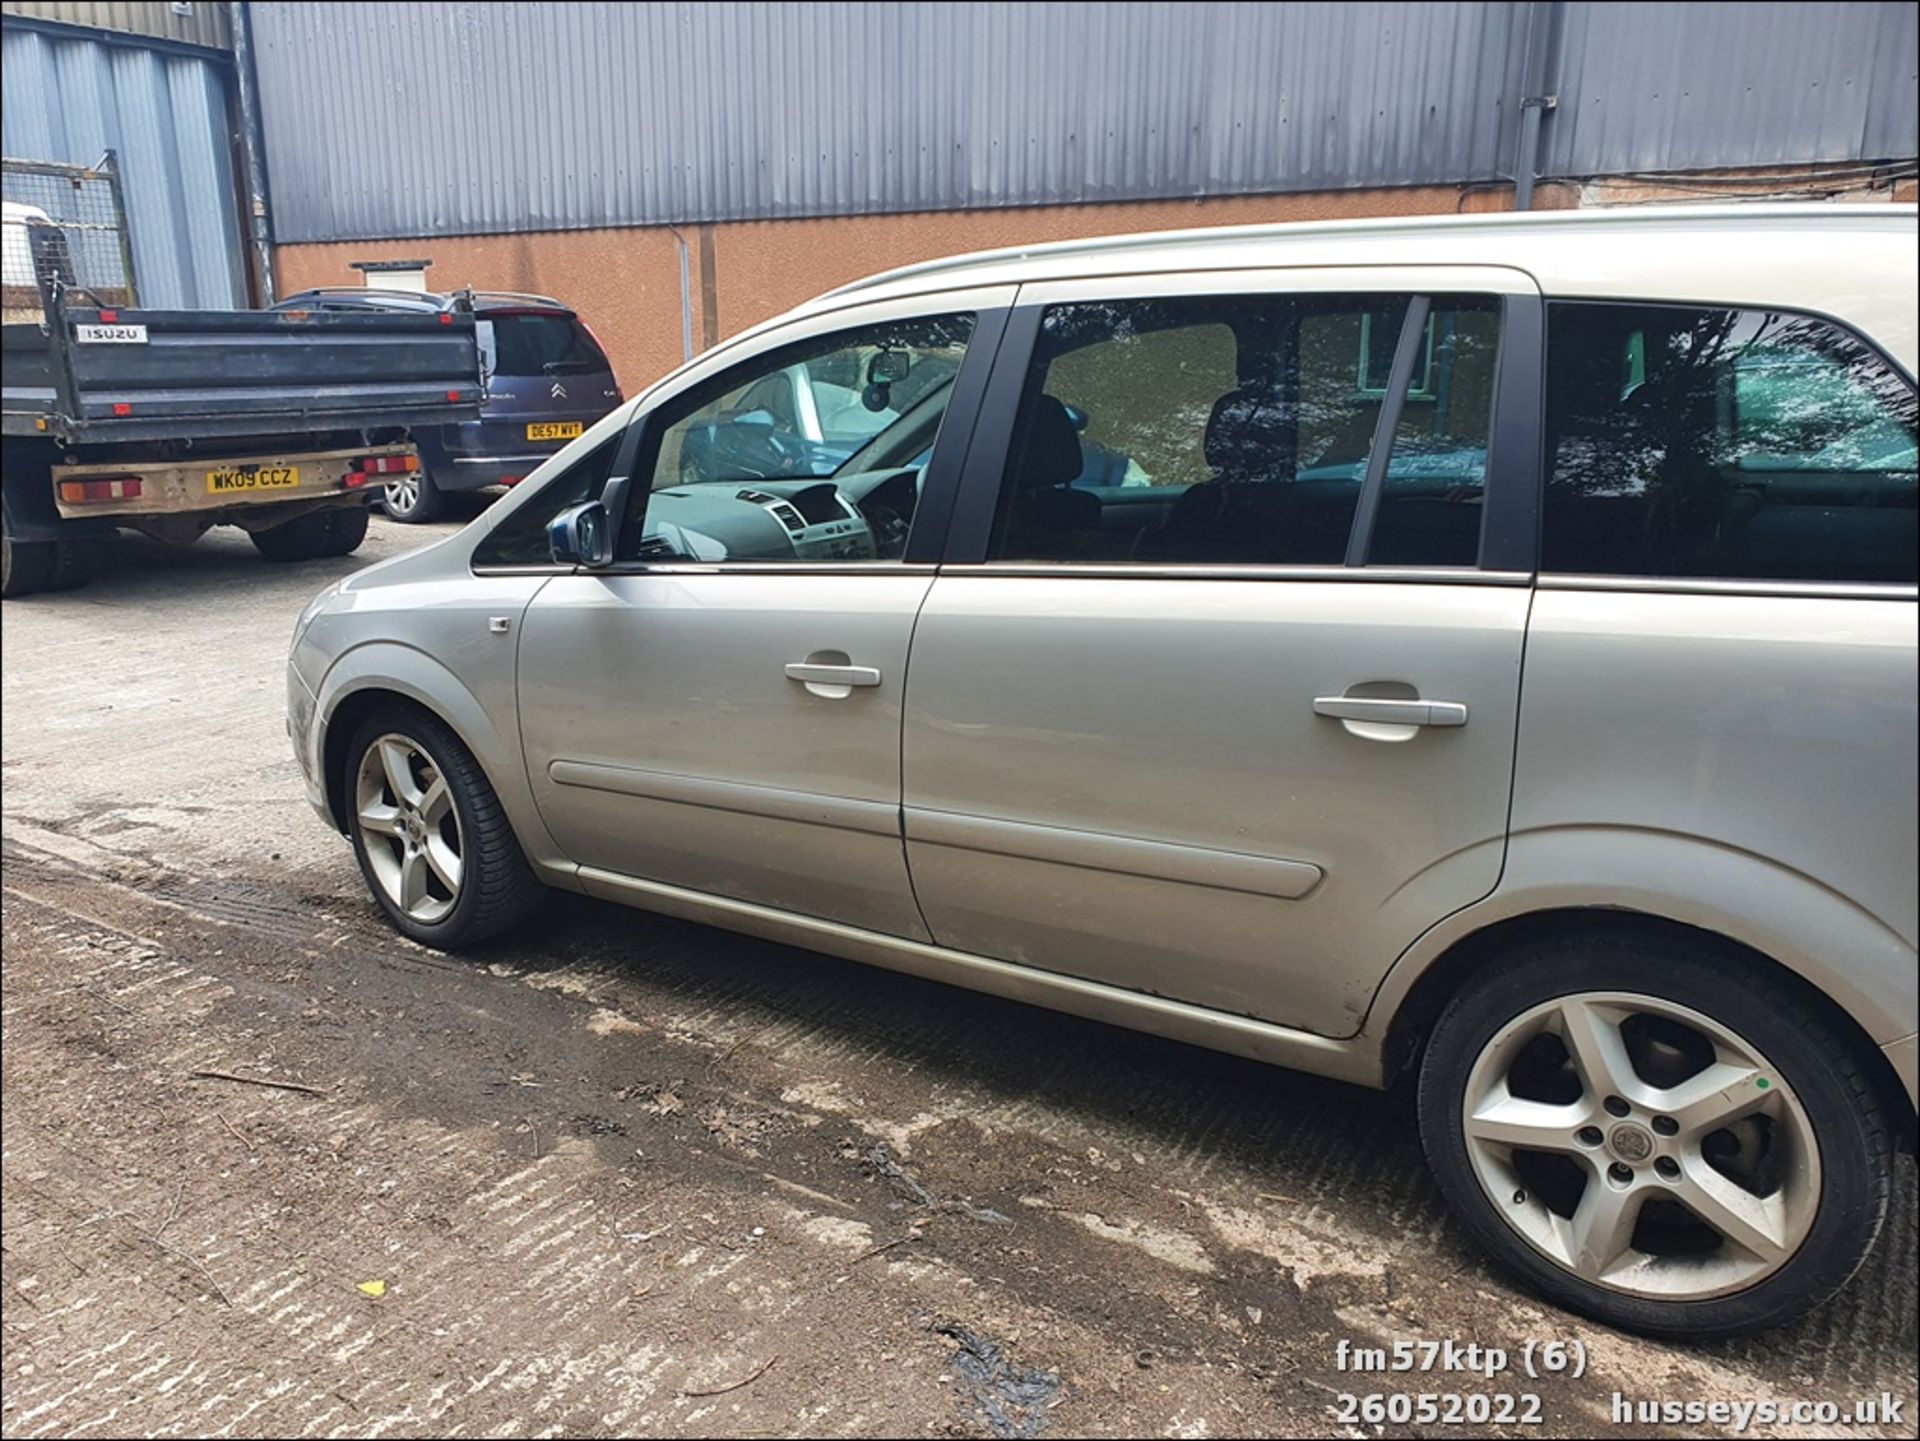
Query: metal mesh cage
65, 223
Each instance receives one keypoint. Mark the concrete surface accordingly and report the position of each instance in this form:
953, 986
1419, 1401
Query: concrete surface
626, 1175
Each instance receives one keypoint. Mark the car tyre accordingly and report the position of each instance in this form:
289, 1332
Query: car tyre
75, 562
410, 836
413, 498
25, 566
305, 537
347, 527
1800, 1055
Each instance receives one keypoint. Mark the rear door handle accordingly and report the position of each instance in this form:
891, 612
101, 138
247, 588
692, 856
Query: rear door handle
1392, 712
808, 673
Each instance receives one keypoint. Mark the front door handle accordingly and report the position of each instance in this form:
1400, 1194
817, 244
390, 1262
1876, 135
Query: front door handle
807, 673
1392, 712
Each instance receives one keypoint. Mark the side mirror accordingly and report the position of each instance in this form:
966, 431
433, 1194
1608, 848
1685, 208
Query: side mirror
581, 535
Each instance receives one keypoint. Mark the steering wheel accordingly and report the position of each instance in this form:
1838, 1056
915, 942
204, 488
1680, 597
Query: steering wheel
888, 508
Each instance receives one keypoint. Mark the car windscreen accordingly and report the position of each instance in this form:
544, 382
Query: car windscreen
538, 343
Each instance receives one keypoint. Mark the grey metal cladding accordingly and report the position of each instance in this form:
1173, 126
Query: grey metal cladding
399, 119
67, 96
203, 24
1659, 86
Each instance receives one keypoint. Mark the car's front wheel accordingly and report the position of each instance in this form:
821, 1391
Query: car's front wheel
432, 839
1659, 1135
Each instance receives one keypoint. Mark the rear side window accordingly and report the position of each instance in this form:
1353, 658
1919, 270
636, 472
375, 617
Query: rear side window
543, 343
1735, 444
1237, 429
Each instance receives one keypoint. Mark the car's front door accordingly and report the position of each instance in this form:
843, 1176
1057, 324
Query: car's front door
719, 710
1238, 748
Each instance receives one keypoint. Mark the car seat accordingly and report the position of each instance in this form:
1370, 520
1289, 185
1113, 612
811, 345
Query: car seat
1045, 518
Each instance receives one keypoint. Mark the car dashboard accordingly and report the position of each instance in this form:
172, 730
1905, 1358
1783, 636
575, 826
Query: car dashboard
855, 518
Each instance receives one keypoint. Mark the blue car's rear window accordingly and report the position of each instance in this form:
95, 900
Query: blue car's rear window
538, 344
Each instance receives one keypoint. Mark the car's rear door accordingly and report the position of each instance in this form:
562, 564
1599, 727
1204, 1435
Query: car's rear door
719, 711
1242, 754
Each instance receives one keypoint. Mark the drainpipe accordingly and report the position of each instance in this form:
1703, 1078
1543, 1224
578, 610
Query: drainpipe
686, 297
1541, 79
253, 147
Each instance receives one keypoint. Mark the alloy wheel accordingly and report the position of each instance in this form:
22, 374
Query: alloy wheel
1642, 1146
410, 828
402, 495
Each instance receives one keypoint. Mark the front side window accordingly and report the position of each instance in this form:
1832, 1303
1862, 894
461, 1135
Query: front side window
1712, 443
813, 452
521, 539
1237, 429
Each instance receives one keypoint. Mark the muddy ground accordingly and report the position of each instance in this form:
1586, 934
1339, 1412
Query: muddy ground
628, 1175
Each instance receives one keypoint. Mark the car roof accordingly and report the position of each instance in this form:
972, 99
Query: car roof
1856, 262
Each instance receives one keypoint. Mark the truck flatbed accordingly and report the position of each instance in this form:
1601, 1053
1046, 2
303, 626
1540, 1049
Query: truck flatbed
99, 376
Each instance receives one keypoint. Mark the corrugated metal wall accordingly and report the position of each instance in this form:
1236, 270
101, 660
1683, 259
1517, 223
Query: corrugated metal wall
530, 116
69, 97
199, 22
1659, 86
459, 118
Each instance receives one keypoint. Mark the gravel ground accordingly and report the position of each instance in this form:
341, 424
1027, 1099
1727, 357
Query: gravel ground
627, 1175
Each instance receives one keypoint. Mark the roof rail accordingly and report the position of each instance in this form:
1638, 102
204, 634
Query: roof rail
522, 295
1282, 230
379, 290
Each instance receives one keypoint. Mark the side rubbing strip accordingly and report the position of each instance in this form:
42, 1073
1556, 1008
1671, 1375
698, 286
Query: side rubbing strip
804, 807
1125, 855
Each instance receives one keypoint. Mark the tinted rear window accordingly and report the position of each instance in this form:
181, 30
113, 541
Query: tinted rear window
1739, 444
539, 345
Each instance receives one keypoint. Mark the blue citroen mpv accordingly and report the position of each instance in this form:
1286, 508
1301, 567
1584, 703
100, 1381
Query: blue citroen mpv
547, 379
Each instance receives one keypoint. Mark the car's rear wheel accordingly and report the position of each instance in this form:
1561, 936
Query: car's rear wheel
337, 530
75, 562
413, 498
432, 839
1658, 1135
305, 537
25, 566
346, 528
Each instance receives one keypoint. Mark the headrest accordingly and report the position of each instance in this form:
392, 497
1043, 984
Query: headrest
1246, 433
1052, 453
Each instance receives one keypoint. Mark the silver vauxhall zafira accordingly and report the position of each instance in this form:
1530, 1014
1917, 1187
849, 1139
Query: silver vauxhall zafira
1475, 650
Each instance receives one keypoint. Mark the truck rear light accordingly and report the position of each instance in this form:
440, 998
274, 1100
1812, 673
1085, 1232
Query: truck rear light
454, 396
109, 317
120, 407
511, 479
354, 479
119, 487
387, 464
